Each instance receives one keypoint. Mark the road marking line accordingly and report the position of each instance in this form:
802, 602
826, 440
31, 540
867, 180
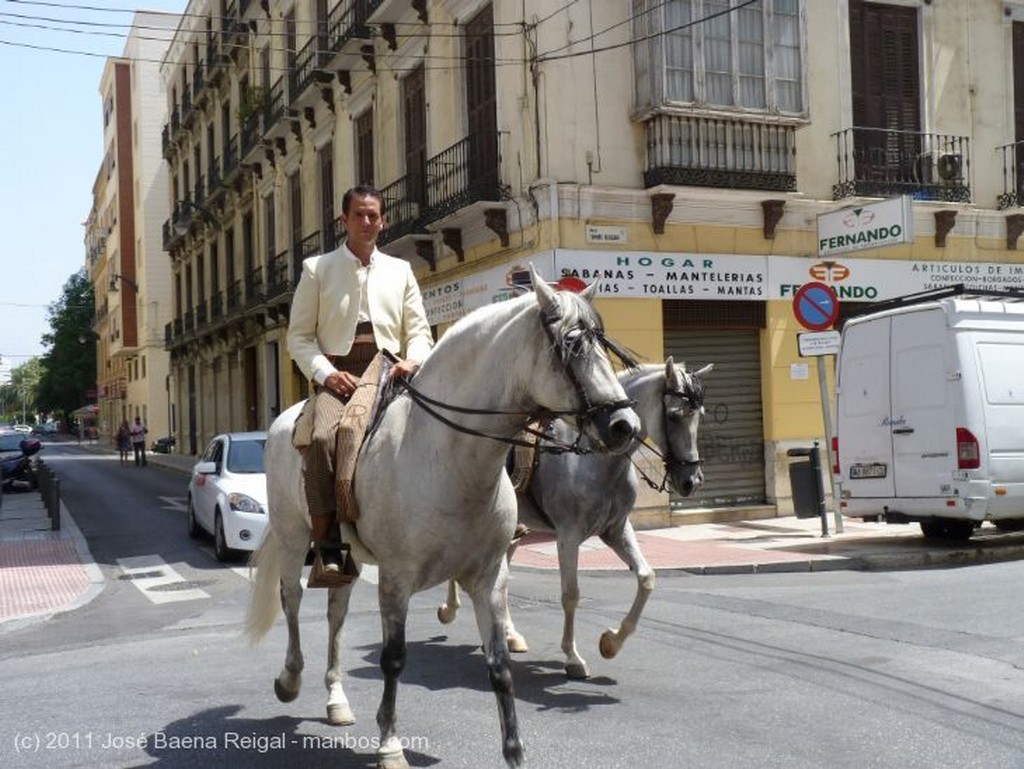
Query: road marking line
157, 580
177, 504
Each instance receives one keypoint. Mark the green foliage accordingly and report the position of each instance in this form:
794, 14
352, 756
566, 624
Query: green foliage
68, 367
251, 101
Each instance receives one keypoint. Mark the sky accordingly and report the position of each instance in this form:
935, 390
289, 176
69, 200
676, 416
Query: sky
51, 135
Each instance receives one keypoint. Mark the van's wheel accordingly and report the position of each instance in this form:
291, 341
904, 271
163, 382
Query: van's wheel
1010, 524
948, 529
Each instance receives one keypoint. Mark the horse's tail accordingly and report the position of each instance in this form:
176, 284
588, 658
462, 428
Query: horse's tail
265, 598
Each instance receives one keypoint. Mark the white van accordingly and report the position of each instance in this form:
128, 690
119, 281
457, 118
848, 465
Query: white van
930, 412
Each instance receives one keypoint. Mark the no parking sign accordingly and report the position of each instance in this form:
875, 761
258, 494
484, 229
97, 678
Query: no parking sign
816, 306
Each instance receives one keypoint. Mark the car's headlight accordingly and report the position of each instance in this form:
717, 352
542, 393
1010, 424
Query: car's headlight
244, 503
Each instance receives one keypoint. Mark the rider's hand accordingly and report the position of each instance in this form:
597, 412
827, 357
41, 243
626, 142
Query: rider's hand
341, 383
404, 369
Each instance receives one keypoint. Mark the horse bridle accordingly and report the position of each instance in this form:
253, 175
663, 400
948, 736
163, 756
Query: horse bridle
589, 411
692, 395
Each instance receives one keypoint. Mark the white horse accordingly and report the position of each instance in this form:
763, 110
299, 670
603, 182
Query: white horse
435, 503
580, 496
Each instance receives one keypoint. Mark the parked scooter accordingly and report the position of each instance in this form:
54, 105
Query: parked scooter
19, 471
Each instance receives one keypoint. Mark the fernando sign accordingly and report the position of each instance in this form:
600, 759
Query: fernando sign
871, 226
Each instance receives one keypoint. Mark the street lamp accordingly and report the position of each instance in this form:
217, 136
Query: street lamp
114, 278
181, 223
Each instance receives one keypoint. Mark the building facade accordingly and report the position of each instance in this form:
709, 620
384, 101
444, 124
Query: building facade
127, 264
680, 153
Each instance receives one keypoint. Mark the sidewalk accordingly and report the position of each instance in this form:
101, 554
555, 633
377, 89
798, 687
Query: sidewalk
43, 572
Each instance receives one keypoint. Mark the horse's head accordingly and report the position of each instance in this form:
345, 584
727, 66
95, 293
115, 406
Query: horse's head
683, 400
579, 347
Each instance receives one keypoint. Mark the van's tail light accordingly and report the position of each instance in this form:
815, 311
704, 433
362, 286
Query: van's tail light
968, 454
835, 455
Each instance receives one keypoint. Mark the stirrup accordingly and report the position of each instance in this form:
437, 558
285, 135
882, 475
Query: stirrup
332, 575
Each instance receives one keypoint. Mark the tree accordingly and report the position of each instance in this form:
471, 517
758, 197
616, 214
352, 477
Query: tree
69, 363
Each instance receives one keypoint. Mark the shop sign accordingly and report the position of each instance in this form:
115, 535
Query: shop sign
653, 275
870, 226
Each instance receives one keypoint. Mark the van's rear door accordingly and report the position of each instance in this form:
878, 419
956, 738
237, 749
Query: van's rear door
924, 409
862, 414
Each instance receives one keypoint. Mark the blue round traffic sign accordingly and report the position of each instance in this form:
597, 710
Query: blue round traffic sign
816, 306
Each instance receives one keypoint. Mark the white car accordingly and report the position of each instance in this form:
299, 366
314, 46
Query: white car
227, 494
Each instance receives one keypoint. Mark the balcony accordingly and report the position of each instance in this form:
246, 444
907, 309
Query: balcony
215, 181
712, 152
233, 299
216, 307
881, 163
308, 73
347, 33
216, 57
463, 174
274, 123
187, 112
402, 211
391, 11
232, 163
188, 323
1013, 176
202, 315
175, 121
199, 92
199, 191
166, 145
254, 294
278, 283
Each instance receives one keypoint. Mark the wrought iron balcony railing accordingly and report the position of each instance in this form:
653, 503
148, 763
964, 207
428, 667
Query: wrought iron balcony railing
307, 62
462, 174
879, 162
1013, 176
254, 287
277, 275
233, 299
715, 152
347, 21
273, 110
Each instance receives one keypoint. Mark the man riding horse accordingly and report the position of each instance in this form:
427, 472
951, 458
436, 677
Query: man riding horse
349, 304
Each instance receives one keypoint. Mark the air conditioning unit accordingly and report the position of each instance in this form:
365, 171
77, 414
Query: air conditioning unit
950, 167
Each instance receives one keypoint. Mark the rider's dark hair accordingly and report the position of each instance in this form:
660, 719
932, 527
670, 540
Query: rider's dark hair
362, 191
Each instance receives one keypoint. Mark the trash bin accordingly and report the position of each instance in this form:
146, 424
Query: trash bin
806, 485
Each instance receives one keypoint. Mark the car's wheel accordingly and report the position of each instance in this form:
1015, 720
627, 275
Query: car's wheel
194, 529
220, 542
948, 529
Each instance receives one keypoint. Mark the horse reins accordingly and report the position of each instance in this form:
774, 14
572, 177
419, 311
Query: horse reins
550, 446
693, 399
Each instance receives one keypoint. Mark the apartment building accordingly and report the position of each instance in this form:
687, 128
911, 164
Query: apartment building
127, 264
680, 153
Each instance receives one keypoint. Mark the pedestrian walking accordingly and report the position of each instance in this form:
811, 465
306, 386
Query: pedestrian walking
138, 433
124, 441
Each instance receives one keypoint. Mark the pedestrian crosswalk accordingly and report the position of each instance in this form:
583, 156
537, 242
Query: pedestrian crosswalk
161, 583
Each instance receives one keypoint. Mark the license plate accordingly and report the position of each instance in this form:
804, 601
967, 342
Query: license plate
874, 470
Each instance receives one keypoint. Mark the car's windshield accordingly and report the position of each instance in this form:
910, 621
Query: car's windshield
246, 456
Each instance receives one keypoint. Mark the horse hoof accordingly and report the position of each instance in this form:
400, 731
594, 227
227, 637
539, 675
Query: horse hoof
445, 615
283, 694
391, 756
517, 644
608, 644
577, 671
340, 715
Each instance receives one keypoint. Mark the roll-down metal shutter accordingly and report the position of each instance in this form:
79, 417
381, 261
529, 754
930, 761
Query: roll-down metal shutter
731, 439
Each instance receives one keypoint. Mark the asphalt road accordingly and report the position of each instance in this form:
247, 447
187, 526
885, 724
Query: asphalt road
839, 669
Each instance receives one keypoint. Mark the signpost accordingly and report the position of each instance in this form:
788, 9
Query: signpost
817, 308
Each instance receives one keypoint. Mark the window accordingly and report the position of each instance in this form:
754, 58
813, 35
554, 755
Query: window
719, 54
364, 148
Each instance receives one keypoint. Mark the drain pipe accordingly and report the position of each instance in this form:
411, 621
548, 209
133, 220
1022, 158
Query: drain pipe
552, 185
